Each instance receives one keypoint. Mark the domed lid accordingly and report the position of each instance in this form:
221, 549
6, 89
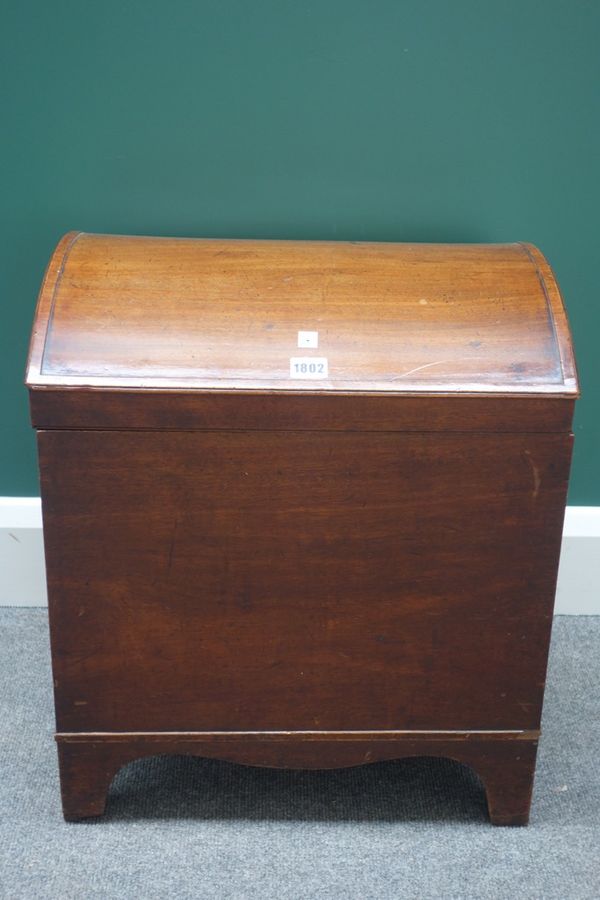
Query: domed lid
119, 312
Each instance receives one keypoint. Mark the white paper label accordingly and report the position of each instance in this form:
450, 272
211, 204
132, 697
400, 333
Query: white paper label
308, 367
308, 339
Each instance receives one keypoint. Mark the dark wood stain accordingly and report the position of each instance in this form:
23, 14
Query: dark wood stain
300, 575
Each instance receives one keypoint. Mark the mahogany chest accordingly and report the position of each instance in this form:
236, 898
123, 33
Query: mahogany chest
302, 503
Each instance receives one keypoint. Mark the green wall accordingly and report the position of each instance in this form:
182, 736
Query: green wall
425, 120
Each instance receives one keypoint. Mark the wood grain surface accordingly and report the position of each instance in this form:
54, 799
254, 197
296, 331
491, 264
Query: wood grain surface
159, 410
298, 573
158, 312
265, 581
505, 762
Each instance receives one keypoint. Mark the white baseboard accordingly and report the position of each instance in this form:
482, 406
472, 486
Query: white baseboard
22, 579
578, 590
22, 575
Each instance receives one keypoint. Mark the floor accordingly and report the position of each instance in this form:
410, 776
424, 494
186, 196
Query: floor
189, 828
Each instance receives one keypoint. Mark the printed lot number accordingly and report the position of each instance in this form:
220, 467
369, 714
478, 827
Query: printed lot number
308, 367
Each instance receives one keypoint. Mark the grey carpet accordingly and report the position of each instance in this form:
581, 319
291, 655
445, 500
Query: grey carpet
181, 827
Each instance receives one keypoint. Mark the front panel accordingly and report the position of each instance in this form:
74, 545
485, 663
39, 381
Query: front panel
214, 581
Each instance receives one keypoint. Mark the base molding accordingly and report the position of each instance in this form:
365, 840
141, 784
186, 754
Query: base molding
503, 760
229, 737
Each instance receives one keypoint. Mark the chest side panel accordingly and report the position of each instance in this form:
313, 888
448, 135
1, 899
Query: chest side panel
300, 580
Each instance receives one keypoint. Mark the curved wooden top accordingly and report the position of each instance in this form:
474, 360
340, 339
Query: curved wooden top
138, 312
